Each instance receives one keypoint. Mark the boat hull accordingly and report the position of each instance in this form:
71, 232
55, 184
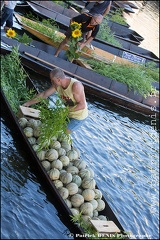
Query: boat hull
94, 83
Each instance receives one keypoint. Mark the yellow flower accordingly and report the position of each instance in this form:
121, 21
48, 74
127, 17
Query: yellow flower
76, 33
75, 25
11, 33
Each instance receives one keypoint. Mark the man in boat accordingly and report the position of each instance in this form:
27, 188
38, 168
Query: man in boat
89, 28
72, 92
100, 7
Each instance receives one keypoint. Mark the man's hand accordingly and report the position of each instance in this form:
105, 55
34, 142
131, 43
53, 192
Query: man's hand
81, 45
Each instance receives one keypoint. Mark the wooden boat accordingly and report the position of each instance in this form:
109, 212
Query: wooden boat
96, 53
62, 207
94, 83
129, 51
121, 32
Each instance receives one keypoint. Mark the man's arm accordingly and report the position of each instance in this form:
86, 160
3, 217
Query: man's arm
83, 44
44, 95
79, 96
107, 9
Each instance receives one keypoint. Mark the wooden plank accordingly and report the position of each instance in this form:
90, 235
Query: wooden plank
28, 112
105, 227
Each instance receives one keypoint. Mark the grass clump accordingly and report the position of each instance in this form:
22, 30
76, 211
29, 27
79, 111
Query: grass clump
13, 80
137, 77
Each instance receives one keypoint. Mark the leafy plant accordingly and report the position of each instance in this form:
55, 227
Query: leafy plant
117, 16
137, 77
107, 35
13, 80
54, 121
51, 32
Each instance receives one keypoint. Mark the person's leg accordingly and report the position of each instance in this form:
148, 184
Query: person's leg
5, 15
9, 21
62, 44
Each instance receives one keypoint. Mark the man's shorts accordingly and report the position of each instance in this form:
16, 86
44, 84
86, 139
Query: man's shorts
74, 124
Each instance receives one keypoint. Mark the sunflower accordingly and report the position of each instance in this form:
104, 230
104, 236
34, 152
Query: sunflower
11, 33
75, 25
76, 33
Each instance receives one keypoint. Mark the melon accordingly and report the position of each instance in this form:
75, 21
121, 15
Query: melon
77, 179
51, 154
58, 183
94, 203
72, 188
57, 164
80, 164
72, 154
74, 211
68, 202
101, 205
95, 212
33, 123
22, 122
91, 172
66, 177
32, 140
55, 144
64, 160
77, 150
28, 131
86, 208
102, 217
61, 152
84, 173
66, 146
35, 147
88, 183
98, 194
54, 174
36, 132
41, 155
72, 169
88, 194
77, 200
46, 165
63, 192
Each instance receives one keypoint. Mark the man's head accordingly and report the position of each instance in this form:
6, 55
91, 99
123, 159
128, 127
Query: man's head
56, 75
96, 19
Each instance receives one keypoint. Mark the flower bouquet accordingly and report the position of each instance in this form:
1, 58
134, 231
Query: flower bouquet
72, 52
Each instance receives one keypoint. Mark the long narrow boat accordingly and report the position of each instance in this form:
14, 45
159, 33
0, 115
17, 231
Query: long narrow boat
44, 176
94, 83
119, 32
129, 51
96, 53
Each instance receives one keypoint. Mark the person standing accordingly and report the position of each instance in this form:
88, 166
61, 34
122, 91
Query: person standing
90, 24
100, 7
7, 14
72, 92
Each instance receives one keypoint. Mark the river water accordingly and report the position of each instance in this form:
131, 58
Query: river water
121, 146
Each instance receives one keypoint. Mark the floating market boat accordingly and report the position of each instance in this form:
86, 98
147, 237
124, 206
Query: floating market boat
129, 51
112, 226
41, 60
120, 31
96, 53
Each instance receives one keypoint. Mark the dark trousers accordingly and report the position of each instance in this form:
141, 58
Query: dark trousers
7, 16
